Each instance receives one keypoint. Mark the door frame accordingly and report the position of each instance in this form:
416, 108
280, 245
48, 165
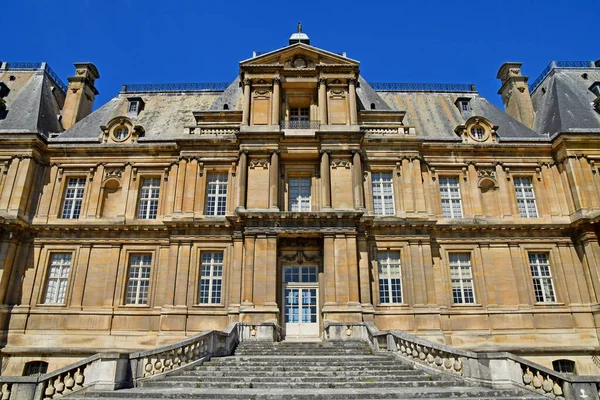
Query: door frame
300, 285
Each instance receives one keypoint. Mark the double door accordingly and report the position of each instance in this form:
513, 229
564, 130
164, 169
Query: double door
300, 300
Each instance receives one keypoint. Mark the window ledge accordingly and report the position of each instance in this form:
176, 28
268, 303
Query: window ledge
134, 306
216, 305
393, 305
465, 305
548, 303
51, 305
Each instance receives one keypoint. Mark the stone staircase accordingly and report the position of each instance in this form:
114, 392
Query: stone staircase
332, 370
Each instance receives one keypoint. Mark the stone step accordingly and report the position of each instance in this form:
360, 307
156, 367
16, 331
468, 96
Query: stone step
307, 359
300, 364
311, 371
303, 379
168, 384
322, 394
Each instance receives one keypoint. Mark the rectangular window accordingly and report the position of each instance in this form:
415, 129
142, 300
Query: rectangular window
58, 277
450, 194
525, 197
148, 203
383, 193
300, 274
299, 114
73, 198
211, 278
390, 277
300, 194
462, 279
542, 278
138, 283
133, 106
216, 197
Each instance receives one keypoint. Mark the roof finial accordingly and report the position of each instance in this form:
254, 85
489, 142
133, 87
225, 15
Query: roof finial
299, 37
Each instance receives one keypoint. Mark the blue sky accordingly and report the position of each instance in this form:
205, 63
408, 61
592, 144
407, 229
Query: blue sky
154, 41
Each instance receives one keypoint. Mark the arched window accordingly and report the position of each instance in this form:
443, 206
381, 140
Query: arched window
35, 368
225, 106
372, 106
564, 366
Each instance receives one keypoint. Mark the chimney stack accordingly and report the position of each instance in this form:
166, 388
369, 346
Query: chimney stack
515, 93
80, 94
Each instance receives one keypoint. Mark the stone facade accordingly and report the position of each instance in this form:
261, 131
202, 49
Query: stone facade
299, 195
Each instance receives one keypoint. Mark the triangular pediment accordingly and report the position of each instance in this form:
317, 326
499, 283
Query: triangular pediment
299, 55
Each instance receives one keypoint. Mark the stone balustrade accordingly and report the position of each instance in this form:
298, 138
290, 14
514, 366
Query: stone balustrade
113, 371
497, 370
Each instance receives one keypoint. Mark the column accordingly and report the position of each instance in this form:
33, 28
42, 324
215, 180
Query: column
274, 180
323, 101
235, 284
242, 179
329, 269
276, 101
352, 99
80, 279
357, 180
325, 180
364, 273
179, 186
182, 275
246, 103
248, 276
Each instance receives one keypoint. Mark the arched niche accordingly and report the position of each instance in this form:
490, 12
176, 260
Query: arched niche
489, 196
111, 198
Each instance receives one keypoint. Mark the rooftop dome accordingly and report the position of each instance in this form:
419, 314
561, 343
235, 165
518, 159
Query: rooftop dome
299, 37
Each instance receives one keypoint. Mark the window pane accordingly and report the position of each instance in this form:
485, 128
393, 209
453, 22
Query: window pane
73, 198
383, 193
462, 278
525, 197
216, 198
211, 278
148, 201
543, 286
58, 276
390, 277
138, 285
450, 195
300, 194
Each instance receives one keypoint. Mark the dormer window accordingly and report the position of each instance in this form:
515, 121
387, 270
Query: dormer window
136, 105
595, 88
477, 133
121, 133
463, 104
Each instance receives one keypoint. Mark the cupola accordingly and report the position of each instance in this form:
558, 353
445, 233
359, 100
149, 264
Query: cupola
299, 37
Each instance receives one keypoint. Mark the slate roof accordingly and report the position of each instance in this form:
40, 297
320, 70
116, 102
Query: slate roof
164, 117
563, 102
33, 103
565, 106
435, 115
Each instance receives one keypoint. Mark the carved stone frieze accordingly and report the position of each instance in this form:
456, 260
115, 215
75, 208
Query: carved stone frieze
299, 257
340, 163
259, 163
113, 173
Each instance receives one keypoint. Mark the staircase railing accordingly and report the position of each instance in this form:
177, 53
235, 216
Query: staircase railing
495, 369
113, 371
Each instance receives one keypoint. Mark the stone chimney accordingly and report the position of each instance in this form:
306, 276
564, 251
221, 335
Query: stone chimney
515, 93
80, 94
